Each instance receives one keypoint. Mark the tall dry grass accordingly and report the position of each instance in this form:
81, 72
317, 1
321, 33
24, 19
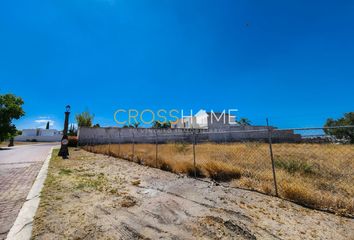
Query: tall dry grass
316, 175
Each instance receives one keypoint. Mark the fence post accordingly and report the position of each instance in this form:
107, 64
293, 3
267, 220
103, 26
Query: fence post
272, 158
109, 146
194, 165
156, 148
133, 146
119, 141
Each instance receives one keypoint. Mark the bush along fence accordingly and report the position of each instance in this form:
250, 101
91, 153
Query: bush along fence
308, 166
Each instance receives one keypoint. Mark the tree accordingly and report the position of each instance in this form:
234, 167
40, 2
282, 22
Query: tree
341, 132
10, 109
72, 130
97, 125
47, 126
84, 119
244, 122
157, 124
134, 125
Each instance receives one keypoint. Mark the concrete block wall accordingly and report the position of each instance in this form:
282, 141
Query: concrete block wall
128, 135
148, 135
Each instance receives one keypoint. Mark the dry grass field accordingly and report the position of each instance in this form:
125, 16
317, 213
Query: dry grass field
319, 176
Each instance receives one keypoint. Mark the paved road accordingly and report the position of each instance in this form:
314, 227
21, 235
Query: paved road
19, 167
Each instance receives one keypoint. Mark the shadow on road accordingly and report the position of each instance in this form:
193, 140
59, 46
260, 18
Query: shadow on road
5, 148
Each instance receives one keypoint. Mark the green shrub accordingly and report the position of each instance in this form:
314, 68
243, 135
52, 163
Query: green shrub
72, 141
181, 147
292, 166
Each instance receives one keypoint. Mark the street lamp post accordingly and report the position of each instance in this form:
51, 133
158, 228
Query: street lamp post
64, 151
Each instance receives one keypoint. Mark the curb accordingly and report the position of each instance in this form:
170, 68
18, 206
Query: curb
22, 228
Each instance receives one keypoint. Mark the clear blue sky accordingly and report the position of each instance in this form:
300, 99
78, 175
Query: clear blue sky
291, 61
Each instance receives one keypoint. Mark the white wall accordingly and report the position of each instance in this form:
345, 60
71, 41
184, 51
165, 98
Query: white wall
56, 138
40, 135
29, 132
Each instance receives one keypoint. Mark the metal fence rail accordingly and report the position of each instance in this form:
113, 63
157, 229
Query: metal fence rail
317, 171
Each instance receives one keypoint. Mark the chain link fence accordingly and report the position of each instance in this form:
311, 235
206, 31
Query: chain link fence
315, 169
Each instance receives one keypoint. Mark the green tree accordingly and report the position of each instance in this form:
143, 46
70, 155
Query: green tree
47, 126
341, 132
157, 124
134, 125
84, 119
72, 130
10, 109
244, 122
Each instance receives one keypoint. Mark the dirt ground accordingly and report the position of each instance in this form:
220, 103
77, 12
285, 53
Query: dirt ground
91, 196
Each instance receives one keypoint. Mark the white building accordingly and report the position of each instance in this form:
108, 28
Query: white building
201, 119
40, 135
206, 120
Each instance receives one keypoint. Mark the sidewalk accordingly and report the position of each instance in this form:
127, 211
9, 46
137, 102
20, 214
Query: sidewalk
19, 167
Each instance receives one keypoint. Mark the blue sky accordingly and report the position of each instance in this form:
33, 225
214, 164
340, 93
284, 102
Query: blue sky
291, 61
